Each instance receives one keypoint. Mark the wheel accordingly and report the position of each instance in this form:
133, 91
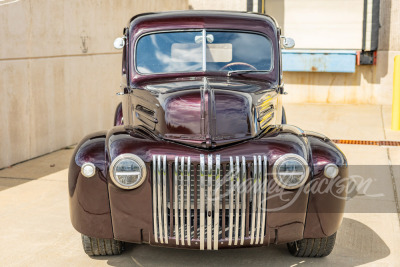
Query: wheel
312, 247
233, 64
283, 116
101, 247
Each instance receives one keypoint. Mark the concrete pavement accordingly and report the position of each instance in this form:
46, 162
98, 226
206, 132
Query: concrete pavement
35, 229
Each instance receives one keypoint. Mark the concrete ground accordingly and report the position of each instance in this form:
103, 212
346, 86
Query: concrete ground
35, 229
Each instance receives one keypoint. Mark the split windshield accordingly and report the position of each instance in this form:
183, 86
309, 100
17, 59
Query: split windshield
184, 51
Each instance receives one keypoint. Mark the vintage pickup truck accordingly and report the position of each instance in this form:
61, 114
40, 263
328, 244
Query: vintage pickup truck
200, 155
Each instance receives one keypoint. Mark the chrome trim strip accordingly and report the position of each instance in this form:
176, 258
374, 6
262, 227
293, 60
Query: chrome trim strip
188, 209
264, 200
244, 192
155, 199
265, 109
159, 198
209, 202
165, 198
202, 198
231, 195
259, 178
182, 201
237, 199
254, 202
216, 201
176, 201
204, 48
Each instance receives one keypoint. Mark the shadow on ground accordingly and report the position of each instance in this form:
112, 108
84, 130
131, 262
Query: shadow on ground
356, 244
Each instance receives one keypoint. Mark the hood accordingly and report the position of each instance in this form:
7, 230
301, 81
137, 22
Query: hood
202, 112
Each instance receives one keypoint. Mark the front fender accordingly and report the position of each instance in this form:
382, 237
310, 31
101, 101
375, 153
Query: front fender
88, 197
327, 197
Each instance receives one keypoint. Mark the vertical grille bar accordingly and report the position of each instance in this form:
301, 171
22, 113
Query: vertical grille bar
188, 209
202, 198
259, 178
164, 172
176, 201
244, 192
264, 199
171, 199
247, 209
216, 201
254, 203
155, 199
237, 199
223, 224
182, 200
231, 195
195, 167
209, 202
160, 223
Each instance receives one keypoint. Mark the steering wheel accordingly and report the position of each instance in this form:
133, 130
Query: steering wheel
238, 64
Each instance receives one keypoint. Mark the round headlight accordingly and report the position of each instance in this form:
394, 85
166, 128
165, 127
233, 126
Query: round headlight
290, 171
128, 171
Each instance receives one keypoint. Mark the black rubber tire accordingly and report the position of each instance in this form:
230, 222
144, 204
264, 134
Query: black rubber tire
312, 247
283, 116
101, 247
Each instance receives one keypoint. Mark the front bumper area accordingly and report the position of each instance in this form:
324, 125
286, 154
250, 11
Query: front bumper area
227, 205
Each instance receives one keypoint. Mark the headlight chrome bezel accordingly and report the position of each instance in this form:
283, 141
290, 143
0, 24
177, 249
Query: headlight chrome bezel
134, 158
281, 160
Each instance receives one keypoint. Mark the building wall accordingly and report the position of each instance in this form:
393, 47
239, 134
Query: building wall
332, 24
237, 5
316, 24
52, 91
368, 85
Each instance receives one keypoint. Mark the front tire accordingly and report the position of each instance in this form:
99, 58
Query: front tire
312, 247
101, 247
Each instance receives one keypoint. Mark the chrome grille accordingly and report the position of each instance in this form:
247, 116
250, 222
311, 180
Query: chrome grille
209, 201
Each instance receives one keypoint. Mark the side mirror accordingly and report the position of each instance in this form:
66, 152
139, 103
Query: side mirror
119, 43
287, 42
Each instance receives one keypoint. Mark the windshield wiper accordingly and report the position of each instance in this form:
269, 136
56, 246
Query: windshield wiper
244, 71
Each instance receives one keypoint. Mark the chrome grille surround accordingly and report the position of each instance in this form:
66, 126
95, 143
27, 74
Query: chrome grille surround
194, 211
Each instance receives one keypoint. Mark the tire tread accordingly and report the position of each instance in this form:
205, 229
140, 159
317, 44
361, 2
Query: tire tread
312, 247
101, 247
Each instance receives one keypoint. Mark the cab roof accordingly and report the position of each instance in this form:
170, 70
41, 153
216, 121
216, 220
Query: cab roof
203, 19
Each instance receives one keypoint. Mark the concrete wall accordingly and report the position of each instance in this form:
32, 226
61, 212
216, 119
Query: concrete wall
52, 91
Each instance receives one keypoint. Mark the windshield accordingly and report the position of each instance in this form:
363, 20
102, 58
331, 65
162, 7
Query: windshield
186, 51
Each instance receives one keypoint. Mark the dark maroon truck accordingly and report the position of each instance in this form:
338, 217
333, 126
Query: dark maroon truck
201, 156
